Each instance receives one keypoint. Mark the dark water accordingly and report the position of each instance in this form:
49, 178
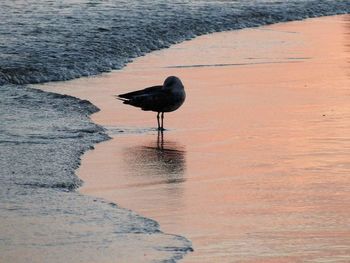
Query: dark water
58, 40
42, 219
43, 135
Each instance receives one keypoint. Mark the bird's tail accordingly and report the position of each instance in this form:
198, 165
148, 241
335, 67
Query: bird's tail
119, 98
124, 100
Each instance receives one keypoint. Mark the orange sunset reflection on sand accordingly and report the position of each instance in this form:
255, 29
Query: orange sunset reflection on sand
255, 165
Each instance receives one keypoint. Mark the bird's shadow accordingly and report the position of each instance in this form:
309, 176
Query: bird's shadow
161, 159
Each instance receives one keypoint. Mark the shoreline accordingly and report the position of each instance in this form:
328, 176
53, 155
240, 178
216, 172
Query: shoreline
213, 56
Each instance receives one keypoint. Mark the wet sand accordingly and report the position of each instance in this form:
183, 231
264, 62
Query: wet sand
255, 165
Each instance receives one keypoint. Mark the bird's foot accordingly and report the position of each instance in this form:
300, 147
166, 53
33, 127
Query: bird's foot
161, 129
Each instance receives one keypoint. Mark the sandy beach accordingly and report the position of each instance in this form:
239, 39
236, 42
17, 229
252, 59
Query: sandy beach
254, 166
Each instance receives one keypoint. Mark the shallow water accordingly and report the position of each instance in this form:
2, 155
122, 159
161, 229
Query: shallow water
254, 166
42, 218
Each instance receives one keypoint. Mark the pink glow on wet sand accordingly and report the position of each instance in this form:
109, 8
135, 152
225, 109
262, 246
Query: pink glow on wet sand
254, 167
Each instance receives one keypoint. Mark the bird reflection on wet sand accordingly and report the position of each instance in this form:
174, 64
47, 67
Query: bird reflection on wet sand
161, 160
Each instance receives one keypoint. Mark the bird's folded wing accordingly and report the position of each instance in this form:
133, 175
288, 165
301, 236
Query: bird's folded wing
130, 95
157, 100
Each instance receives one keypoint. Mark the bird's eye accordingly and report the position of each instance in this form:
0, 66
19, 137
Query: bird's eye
169, 82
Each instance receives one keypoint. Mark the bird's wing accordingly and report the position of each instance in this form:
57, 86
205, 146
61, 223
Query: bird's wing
132, 94
151, 99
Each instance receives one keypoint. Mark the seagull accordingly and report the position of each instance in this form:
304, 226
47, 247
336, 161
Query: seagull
162, 98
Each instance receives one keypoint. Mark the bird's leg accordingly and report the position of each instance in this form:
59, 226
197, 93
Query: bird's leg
162, 127
158, 121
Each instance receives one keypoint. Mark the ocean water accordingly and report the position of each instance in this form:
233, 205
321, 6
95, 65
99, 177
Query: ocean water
45, 40
43, 135
42, 218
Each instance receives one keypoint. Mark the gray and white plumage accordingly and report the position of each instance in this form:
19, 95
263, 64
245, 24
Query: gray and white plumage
162, 98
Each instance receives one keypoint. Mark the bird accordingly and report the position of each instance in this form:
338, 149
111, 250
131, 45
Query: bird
161, 98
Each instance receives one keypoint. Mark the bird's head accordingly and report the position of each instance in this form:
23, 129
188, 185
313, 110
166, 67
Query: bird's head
172, 82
